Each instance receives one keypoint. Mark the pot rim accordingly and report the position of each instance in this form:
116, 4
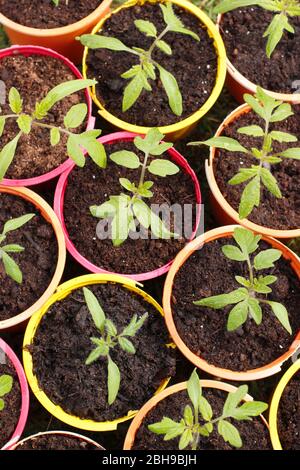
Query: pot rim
61, 433
249, 375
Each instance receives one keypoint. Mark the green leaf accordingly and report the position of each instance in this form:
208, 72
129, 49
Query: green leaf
132, 91
94, 355
113, 380
75, 116
233, 400
107, 209
134, 326
270, 182
6, 384
275, 32
167, 426
95, 308
247, 241
11, 268
205, 409
131, 72
15, 101
102, 347
126, 159
255, 105
54, 136
74, 151
2, 404
150, 142
7, 154
110, 328
96, 41
226, 143
186, 439
125, 183
142, 213
188, 416
175, 432
283, 136
282, 112
174, 23
159, 229
146, 27
250, 197
291, 153
265, 259
126, 345
249, 409
15, 224
238, 315
12, 248
229, 5
194, 389
281, 314
163, 167
255, 131
171, 88
149, 69
96, 150
222, 300
2, 124
163, 46
230, 433
255, 310
24, 123
234, 253
244, 174
243, 281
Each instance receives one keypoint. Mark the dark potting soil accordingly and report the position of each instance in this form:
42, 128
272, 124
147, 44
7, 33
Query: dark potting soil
34, 76
44, 14
254, 434
10, 414
37, 262
242, 31
93, 186
208, 272
56, 442
193, 63
280, 214
62, 344
289, 415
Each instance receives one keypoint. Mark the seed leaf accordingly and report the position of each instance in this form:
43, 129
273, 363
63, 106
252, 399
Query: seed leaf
15, 101
281, 314
194, 389
24, 123
96, 41
225, 143
222, 300
54, 136
7, 154
171, 87
11, 268
6, 383
255, 310
132, 91
113, 380
95, 308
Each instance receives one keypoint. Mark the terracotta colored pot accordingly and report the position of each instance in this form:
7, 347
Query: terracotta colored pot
41, 181
180, 129
253, 374
49, 215
238, 84
63, 291
58, 433
275, 403
136, 423
223, 212
62, 40
24, 394
59, 208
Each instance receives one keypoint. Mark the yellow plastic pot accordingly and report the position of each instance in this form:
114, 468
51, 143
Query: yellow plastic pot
275, 404
179, 129
63, 291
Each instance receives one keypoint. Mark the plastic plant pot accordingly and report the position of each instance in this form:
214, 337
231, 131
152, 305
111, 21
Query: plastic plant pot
62, 40
222, 210
63, 291
238, 84
180, 129
57, 433
253, 374
24, 394
41, 181
136, 423
59, 208
18, 321
275, 403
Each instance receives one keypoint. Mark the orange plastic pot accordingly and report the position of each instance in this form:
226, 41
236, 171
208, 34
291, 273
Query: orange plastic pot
238, 84
136, 423
19, 321
73, 435
222, 210
62, 40
253, 374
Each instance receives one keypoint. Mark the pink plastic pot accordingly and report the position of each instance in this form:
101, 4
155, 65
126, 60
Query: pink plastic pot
24, 392
27, 51
59, 206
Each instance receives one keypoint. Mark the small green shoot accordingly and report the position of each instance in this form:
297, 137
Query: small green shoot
247, 299
198, 420
6, 384
10, 266
108, 339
